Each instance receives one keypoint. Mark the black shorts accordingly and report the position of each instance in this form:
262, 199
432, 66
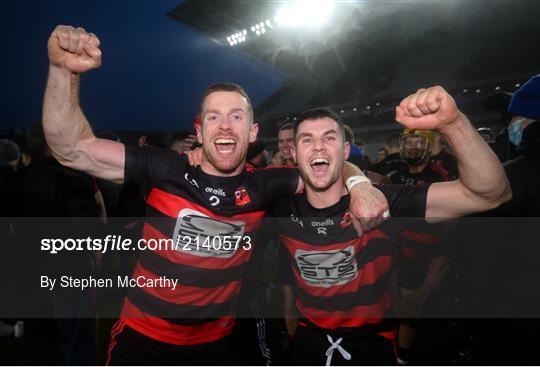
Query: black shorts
129, 347
310, 347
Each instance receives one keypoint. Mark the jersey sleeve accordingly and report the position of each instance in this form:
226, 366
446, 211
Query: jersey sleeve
279, 182
148, 165
406, 201
407, 207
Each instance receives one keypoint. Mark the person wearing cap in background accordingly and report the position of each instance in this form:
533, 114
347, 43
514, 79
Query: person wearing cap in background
524, 133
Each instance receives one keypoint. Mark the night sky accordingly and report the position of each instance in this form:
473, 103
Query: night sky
153, 68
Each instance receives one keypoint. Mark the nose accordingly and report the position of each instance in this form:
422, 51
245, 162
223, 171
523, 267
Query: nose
318, 144
225, 124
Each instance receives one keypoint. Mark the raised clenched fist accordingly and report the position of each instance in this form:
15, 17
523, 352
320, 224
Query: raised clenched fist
74, 49
431, 108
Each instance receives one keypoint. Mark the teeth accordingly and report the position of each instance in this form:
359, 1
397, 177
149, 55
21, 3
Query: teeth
225, 141
319, 160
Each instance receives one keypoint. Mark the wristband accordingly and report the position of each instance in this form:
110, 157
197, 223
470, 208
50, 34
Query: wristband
353, 180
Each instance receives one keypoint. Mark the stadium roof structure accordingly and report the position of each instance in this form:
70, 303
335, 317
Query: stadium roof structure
373, 53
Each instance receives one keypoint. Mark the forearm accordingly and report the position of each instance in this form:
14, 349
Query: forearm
480, 172
64, 124
350, 170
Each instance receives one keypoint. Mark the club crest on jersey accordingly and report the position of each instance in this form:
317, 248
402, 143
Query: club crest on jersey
346, 221
242, 197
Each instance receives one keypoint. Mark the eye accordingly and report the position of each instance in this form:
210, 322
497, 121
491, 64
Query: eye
236, 117
306, 139
212, 117
330, 138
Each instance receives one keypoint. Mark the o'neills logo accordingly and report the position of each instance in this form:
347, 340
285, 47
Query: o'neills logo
325, 223
219, 192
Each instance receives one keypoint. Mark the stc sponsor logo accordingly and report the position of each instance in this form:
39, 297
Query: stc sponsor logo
194, 228
327, 268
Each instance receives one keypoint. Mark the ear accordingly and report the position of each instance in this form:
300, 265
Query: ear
199, 133
347, 148
292, 149
253, 132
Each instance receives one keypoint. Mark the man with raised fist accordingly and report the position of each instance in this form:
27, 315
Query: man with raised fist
190, 205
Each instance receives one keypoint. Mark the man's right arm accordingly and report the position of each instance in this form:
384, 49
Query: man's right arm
68, 133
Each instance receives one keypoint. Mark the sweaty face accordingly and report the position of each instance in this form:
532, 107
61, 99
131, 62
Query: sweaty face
320, 153
225, 133
415, 149
285, 141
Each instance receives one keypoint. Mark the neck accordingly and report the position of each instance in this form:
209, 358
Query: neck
417, 169
210, 169
326, 198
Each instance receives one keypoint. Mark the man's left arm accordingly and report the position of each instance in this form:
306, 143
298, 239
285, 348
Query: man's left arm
482, 183
368, 205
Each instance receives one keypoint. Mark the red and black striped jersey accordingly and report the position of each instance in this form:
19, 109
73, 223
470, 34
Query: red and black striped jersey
342, 279
212, 221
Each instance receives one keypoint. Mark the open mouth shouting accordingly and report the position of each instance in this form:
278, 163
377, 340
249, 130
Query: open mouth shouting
225, 145
319, 166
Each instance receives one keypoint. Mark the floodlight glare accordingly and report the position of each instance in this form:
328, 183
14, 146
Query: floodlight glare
257, 26
244, 32
231, 43
258, 33
244, 39
268, 23
263, 30
253, 28
305, 13
228, 39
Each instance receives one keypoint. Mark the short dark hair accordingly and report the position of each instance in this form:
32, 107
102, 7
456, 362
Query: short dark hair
225, 87
319, 113
394, 141
349, 134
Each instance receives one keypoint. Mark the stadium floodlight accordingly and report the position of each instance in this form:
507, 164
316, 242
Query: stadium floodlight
231, 43
268, 23
263, 30
305, 13
244, 32
257, 26
258, 32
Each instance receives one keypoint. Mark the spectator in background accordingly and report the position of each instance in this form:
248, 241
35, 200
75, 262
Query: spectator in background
393, 162
357, 155
501, 146
487, 134
381, 155
442, 158
48, 190
285, 140
256, 154
524, 133
9, 155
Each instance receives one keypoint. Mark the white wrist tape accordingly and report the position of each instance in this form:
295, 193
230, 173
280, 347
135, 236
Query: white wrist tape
353, 180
